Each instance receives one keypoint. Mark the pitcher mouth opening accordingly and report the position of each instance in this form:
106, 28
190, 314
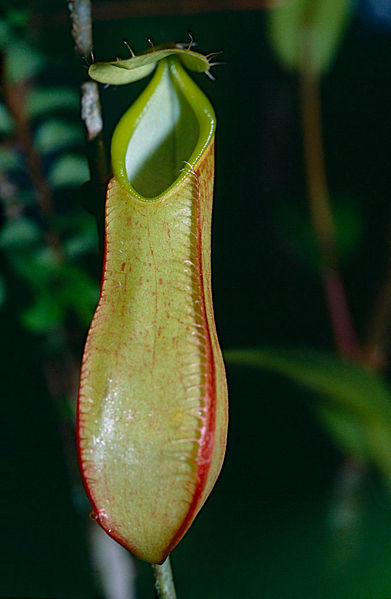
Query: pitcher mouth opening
167, 127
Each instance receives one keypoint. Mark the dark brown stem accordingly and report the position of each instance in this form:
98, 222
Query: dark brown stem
336, 297
14, 95
9, 197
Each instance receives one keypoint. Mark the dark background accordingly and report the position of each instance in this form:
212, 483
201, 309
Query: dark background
268, 530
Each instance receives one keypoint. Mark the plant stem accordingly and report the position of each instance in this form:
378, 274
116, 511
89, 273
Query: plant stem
341, 319
91, 115
164, 581
336, 297
15, 95
80, 12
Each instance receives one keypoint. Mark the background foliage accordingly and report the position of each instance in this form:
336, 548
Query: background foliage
302, 508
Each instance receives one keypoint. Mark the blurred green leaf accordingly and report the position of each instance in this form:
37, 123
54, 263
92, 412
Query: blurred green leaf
18, 17
79, 293
296, 227
6, 122
79, 232
82, 243
37, 266
349, 432
42, 101
69, 290
41, 270
9, 158
357, 401
44, 315
344, 382
19, 233
55, 135
22, 61
69, 170
313, 28
5, 33
58, 289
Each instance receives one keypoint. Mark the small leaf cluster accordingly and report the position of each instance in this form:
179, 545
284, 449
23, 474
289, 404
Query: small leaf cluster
46, 237
353, 403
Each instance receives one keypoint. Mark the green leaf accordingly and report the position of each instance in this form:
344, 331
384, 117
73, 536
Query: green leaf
58, 289
42, 101
313, 29
55, 135
357, 401
79, 233
345, 383
296, 228
36, 266
4, 33
22, 61
69, 170
19, 233
84, 241
348, 432
6, 122
79, 293
119, 72
9, 158
45, 315
18, 17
